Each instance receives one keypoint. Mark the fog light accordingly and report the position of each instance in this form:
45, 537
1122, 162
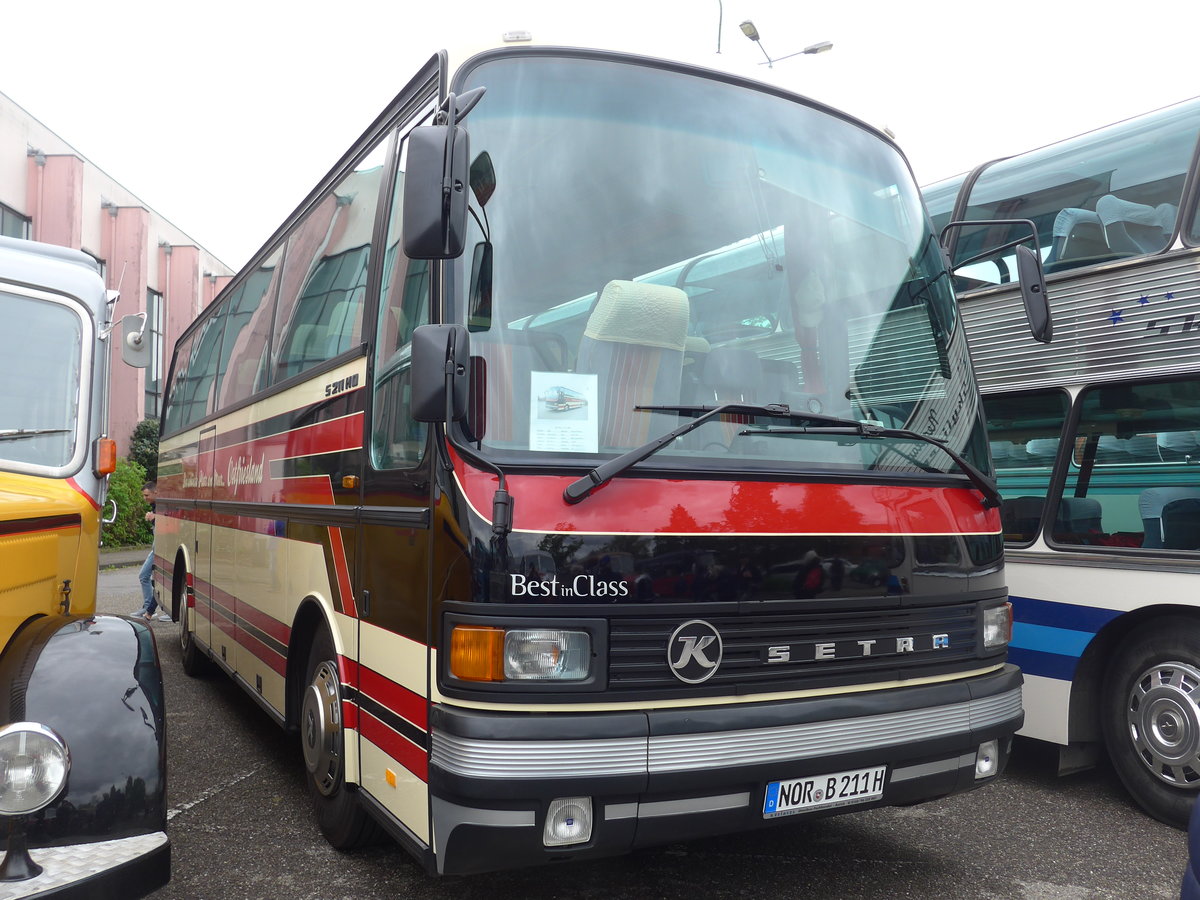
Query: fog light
34, 763
568, 821
987, 759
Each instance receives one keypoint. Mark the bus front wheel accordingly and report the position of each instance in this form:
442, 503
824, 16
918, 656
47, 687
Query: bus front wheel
1152, 718
343, 821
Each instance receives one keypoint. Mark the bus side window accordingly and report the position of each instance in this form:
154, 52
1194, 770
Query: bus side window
190, 396
1024, 432
324, 278
246, 340
397, 439
1144, 491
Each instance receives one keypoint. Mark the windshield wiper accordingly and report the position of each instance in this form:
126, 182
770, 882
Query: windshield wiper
15, 434
606, 472
985, 486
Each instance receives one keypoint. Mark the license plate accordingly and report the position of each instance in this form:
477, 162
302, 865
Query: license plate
785, 798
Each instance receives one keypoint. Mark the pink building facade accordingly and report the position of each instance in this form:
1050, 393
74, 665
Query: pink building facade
50, 192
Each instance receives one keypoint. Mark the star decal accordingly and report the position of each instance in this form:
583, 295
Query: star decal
1115, 316
1143, 300
1169, 295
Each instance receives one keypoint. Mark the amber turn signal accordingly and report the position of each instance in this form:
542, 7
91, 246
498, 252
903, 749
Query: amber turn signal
477, 653
106, 456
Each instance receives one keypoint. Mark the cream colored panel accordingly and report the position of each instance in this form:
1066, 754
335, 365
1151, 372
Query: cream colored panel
408, 801
394, 657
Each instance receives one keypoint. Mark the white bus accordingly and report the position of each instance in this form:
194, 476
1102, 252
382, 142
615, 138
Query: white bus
1096, 438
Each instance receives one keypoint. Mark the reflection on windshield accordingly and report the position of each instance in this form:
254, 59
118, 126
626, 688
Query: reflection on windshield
39, 368
655, 239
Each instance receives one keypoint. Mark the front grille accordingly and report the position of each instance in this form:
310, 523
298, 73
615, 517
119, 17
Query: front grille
821, 648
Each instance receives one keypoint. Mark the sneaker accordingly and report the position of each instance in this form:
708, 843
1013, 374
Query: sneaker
138, 613
165, 618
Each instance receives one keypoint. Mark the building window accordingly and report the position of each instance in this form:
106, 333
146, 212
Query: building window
13, 224
154, 332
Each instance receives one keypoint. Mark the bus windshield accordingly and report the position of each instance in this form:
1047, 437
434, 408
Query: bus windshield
649, 238
40, 364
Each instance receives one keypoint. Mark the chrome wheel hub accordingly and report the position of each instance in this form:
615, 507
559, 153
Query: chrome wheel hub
321, 728
1163, 716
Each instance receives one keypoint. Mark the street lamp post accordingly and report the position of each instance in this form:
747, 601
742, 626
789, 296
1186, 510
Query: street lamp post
751, 32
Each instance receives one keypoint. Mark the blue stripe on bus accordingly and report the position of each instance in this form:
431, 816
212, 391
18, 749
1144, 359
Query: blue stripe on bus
1049, 638
1061, 615
1044, 639
1047, 665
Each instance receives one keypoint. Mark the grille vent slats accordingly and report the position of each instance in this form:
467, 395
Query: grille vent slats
638, 647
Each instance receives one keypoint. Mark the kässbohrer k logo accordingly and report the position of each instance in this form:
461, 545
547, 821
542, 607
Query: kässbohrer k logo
694, 651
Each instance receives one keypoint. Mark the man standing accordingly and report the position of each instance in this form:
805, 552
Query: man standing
146, 575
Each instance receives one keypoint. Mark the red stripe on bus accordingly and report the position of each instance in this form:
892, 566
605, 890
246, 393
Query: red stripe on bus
263, 652
714, 507
387, 693
90, 499
395, 745
349, 715
341, 570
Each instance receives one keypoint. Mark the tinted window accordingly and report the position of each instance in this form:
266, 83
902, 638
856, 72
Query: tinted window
1109, 194
1131, 482
397, 440
324, 278
245, 342
1024, 431
197, 363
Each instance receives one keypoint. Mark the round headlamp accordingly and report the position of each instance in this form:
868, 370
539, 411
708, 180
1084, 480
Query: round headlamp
34, 763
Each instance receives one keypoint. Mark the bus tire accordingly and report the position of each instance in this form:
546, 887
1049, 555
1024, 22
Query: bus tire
343, 821
195, 663
1151, 717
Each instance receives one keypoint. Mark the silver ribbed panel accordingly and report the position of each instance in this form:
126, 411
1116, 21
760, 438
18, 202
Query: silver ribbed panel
712, 750
690, 752
64, 866
538, 759
1149, 340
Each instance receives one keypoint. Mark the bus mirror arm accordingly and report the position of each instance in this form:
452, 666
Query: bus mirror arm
1030, 274
441, 363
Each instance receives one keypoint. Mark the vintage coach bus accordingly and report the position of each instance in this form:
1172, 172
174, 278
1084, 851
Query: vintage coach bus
82, 748
752, 570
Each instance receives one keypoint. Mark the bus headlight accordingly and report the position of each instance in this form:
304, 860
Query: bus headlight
541, 654
34, 763
486, 653
997, 626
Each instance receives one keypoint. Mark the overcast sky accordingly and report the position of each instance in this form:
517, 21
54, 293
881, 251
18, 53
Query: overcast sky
222, 115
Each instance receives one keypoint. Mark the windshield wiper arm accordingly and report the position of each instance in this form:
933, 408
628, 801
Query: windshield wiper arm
15, 434
606, 472
985, 486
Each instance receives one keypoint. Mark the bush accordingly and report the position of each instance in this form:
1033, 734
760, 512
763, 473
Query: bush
143, 447
125, 487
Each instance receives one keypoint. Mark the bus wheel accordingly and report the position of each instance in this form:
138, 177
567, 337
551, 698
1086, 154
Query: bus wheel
343, 821
1152, 718
194, 661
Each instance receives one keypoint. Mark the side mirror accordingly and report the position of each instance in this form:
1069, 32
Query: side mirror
135, 345
435, 192
441, 369
1029, 271
1033, 292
